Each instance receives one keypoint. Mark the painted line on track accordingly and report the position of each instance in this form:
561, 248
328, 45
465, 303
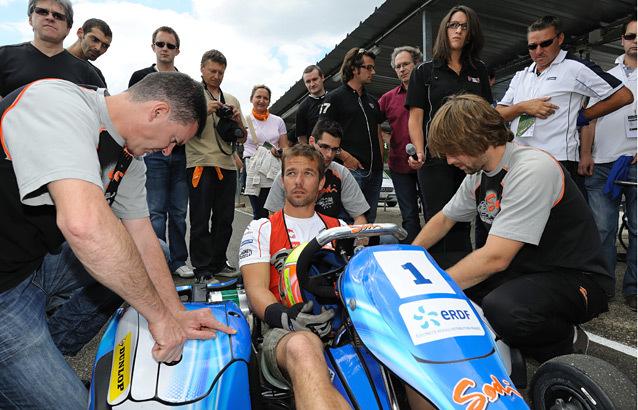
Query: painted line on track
622, 348
244, 212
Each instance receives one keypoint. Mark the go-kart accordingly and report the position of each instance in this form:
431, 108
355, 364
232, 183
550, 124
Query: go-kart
403, 321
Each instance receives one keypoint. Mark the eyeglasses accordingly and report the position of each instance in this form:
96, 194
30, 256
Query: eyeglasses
542, 44
368, 67
45, 12
455, 24
161, 44
629, 37
326, 147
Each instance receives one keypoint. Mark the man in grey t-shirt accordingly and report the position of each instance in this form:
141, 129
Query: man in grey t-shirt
73, 213
340, 192
541, 271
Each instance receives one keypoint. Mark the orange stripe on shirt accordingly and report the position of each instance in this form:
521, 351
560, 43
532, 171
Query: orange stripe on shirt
4, 146
259, 235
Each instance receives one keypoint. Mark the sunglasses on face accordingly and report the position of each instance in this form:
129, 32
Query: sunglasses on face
455, 24
368, 67
629, 37
45, 12
327, 147
542, 44
161, 44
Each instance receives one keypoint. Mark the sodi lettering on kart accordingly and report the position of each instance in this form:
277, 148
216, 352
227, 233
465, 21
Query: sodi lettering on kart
400, 320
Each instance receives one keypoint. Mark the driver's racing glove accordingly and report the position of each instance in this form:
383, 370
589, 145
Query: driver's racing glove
299, 317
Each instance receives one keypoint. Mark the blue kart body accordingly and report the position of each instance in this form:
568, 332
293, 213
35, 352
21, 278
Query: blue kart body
414, 319
402, 315
212, 374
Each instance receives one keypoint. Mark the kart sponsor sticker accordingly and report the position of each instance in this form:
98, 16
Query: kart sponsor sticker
467, 392
121, 369
435, 319
411, 273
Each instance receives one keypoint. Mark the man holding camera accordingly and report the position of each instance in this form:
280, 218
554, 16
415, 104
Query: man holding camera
211, 174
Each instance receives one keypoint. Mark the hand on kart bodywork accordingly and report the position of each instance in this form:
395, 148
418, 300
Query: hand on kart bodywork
201, 324
169, 339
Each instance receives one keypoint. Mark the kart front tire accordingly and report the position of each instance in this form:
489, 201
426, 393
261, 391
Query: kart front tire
577, 382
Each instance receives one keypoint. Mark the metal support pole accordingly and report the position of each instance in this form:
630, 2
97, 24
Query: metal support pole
426, 23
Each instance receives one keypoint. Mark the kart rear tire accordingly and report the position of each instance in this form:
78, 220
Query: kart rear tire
581, 382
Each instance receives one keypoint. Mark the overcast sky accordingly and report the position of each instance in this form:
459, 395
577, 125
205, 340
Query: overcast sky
267, 42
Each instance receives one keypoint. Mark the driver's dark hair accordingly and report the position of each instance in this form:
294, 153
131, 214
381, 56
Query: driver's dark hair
304, 150
325, 125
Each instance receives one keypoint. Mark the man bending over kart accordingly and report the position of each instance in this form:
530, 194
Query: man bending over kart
71, 171
541, 271
292, 346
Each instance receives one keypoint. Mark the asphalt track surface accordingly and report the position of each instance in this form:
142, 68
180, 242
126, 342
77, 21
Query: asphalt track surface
612, 335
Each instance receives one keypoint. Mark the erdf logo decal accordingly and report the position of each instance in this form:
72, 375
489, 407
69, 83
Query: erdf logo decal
121, 369
421, 316
479, 400
439, 318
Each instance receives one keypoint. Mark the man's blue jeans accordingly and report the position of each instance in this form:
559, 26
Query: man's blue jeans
605, 211
407, 190
34, 373
369, 181
167, 197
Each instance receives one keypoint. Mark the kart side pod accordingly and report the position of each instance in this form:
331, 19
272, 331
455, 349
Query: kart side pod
211, 373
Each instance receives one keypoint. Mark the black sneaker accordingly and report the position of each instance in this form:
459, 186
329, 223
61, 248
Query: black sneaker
228, 271
631, 302
205, 276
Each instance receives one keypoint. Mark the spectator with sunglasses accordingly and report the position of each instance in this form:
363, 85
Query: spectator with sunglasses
455, 68
543, 101
359, 115
340, 192
166, 184
44, 57
607, 152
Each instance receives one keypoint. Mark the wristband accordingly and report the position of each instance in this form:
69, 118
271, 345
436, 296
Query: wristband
582, 120
272, 314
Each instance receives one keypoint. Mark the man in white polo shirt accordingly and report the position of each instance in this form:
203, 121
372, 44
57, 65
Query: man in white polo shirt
544, 100
614, 148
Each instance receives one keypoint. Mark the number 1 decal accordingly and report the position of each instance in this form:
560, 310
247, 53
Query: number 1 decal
411, 273
419, 279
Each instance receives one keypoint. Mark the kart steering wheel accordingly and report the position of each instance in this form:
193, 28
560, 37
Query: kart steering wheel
318, 284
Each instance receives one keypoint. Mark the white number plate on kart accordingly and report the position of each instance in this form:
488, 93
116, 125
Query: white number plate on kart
411, 273
435, 319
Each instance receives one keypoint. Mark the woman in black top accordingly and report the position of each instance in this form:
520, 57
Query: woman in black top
454, 69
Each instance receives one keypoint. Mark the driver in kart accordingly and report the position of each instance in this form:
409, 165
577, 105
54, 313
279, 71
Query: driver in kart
73, 214
541, 271
292, 346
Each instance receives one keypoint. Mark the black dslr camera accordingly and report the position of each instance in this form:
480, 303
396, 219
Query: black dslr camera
226, 127
225, 112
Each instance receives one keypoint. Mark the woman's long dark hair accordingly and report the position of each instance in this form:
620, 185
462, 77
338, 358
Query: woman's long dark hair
474, 40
